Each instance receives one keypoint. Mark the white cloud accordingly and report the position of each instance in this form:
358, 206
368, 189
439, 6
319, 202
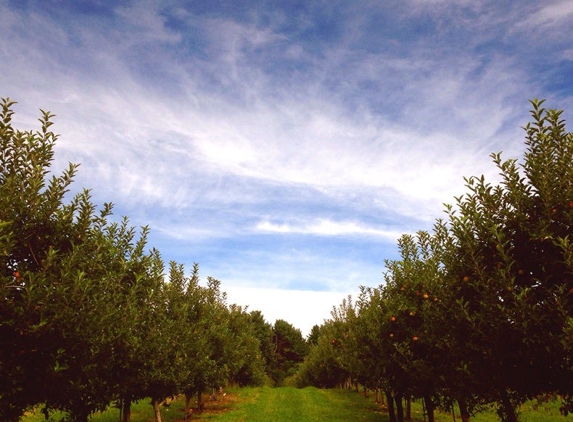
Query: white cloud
324, 227
543, 27
301, 308
143, 21
292, 139
555, 12
568, 54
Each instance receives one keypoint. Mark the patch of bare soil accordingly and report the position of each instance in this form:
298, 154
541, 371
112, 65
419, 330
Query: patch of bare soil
213, 405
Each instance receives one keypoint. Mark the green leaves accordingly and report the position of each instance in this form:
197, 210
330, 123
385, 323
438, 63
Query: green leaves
500, 268
86, 315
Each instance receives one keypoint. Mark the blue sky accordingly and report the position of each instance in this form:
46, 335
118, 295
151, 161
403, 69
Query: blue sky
284, 146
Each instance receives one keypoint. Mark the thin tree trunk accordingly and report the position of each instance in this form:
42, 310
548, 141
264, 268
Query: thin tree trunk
157, 410
464, 413
382, 398
429, 408
200, 401
80, 417
409, 409
508, 408
399, 407
126, 410
188, 398
390, 401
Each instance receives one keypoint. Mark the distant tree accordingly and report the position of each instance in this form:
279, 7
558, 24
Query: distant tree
324, 365
246, 361
290, 350
312, 338
263, 331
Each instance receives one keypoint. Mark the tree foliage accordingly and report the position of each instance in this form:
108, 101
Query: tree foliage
87, 314
290, 349
479, 311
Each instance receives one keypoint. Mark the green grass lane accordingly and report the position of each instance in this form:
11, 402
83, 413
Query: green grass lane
289, 404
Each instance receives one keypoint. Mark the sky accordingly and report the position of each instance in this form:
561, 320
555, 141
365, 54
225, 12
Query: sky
285, 145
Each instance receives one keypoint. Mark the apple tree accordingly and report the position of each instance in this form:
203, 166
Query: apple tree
511, 268
68, 277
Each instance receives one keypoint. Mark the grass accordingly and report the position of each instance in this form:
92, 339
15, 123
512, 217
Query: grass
528, 412
140, 412
265, 404
310, 404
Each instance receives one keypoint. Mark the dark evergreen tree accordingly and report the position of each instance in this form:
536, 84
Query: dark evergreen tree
290, 350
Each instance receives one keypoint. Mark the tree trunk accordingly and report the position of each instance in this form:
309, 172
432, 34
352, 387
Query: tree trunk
157, 410
200, 401
126, 410
80, 417
464, 413
399, 407
390, 401
409, 409
188, 398
429, 408
508, 409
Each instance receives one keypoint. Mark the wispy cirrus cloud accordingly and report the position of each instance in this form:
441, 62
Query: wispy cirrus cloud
323, 227
273, 135
552, 13
288, 145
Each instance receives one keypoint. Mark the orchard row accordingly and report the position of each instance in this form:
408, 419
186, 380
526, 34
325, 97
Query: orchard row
479, 310
88, 316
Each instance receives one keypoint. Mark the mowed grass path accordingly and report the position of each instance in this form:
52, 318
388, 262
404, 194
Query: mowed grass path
309, 404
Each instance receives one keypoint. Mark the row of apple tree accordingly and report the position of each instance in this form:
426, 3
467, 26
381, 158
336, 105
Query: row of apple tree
89, 315
478, 311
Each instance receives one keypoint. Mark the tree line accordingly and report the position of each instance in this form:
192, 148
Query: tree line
478, 311
91, 316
